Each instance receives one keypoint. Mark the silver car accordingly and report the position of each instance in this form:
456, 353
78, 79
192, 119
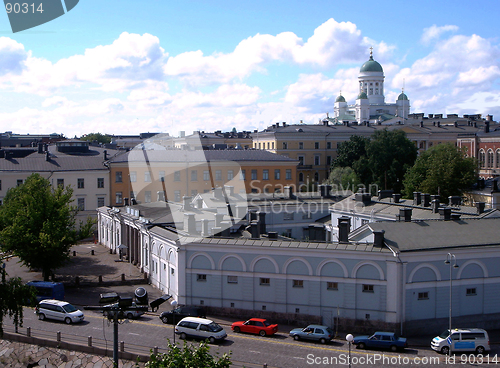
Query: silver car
323, 334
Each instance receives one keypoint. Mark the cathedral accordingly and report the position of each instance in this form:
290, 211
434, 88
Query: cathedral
370, 106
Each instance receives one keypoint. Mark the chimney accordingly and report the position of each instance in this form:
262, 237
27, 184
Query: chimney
385, 194
378, 239
218, 219
105, 152
262, 222
189, 223
435, 205
125, 201
199, 203
454, 201
46, 147
218, 193
272, 235
363, 197
40, 147
396, 197
288, 190
47, 156
229, 190
445, 213
344, 225
480, 207
426, 199
187, 203
405, 213
487, 127
204, 228
456, 124
254, 229
284, 124
416, 199
421, 124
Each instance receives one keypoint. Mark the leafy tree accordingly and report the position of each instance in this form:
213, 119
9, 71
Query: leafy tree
37, 224
444, 170
86, 229
101, 138
389, 155
14, 294
344, 178
188, 356
350, 151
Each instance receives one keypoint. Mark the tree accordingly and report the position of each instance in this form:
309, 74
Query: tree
101, 138
14, 294
343, 178
444, 170
188, 356
350, 151
37, 224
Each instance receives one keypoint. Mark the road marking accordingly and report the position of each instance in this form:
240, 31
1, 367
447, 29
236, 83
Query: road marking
299, 358
254, 351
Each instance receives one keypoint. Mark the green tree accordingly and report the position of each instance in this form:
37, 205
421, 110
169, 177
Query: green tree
343, 178
37, 224
350, 151
188, 356
86, 229
14, 294
388, 156
101, 138
444, 170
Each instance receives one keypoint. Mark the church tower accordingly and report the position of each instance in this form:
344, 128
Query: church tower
371, 81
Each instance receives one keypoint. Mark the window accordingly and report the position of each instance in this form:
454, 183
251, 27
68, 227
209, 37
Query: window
147, 196
298, 283
133, 176
177, 176
482, 158
81, 204
81, 183
201, 277
301, 145
301, 177
177, 195
316, 160
367, 288
161, 175
265, 281
60, 183
243, 175
301, 160
206, 175
316, 145
100, 183
232, 279
332, 285
288, 216
218, 175
147, 177
254, 174
328, 145
498, 158
471, 292
288, 174
277, 174
194, 175
285, 145
328, 160
119, 197
19, 182
423, 295
118, 177
230, 174
232, 305
265, 174
100, 202
490, 158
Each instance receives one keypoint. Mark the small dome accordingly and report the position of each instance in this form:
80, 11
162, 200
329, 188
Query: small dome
362, 96
371, 66
402, 97
340, 99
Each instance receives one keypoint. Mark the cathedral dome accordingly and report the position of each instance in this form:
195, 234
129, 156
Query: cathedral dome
371, 66
340, 99
402, 97
362, 96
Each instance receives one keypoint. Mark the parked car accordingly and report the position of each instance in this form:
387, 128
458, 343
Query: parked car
256, 326
131, 312
323, 334
58, 310
182, 312
200, 328
381, 340
462, 339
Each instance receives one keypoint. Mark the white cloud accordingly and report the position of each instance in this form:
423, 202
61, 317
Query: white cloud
434, 32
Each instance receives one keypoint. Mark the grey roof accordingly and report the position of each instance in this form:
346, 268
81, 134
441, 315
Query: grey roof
438, 234
58, 161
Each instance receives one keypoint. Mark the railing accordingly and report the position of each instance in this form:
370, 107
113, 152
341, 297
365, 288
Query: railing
91, 345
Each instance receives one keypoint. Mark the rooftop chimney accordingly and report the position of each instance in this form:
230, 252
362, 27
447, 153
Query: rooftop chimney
405, 214
426, 199
480, 207
416, 199
229, 190
199, 203
385, 194
288, 190
218, 219
421, 124
190, 223
262, 222
125, 201
272, 235
378, 238
487, 127
445, 213
218, 193
204, 227
187, 203
435, 205
454, 201
344, 225
47, 156
396, 197
254, 229
40, 147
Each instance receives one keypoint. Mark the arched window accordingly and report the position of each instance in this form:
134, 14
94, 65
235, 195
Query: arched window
498, 158
490, 159
482, 159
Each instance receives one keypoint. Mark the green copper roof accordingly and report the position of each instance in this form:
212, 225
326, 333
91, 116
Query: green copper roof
340, 99
371, 66
402, 97
362, 96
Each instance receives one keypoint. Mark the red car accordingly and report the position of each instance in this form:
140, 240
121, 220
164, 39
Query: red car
255, 326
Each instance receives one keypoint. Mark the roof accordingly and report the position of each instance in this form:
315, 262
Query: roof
371, 66
439, 234
362, 96
340, 99
402, 97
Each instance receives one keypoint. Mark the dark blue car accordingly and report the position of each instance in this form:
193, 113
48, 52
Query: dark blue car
381, 340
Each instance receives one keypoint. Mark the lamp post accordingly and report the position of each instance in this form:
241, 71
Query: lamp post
173, 303
452, 261
349, 338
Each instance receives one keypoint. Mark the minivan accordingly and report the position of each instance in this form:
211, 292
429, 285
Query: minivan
200, 328
462, 339
59, 311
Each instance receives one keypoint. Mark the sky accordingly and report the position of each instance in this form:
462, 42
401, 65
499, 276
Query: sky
129, 67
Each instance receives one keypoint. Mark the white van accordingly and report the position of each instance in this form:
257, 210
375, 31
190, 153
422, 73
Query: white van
200, 328
59, 311
462, 339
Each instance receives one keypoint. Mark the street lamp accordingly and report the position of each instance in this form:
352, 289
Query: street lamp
173, 303
452, 261
349, 338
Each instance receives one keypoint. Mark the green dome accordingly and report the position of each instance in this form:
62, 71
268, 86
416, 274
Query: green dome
362, 96
340, 99
402, 97
371, 66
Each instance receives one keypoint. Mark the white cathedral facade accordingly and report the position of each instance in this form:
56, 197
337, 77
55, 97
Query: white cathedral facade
370, 106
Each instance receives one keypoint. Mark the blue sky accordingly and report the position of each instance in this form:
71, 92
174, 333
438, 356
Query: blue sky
125, 67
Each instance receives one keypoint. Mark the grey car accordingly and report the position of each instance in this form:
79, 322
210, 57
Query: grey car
323, 334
